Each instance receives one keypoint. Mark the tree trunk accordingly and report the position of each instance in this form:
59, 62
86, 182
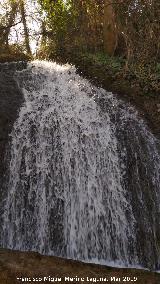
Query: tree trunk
26, 32
10, 22
109, 28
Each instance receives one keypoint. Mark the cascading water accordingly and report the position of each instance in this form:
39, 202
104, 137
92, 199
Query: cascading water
83, 177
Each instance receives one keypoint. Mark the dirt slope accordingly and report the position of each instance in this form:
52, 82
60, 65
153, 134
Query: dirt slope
32, 267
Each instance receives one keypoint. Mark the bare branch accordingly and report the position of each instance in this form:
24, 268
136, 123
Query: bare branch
10, 26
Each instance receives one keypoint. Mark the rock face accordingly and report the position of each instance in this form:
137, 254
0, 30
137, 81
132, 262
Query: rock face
10, 100
118, 169
31, 267
16, 264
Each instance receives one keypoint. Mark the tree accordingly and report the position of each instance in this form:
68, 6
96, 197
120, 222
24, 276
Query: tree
8, 21
14, 13
109, 28
138, 21
74, 25
26, 32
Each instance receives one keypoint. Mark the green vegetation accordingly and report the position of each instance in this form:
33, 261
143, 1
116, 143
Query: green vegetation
146, 78
114, 63
121, 37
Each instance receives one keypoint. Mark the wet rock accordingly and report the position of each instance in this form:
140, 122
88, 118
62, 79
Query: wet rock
11, 99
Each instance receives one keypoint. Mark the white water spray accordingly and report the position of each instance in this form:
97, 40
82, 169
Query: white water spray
66, 193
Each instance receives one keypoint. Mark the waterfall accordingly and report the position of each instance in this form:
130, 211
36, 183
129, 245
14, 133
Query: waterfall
83, 178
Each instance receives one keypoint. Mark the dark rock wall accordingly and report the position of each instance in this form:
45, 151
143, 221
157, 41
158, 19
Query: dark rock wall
11, 99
